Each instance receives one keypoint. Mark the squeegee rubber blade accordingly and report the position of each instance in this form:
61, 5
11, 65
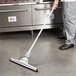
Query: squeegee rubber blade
28, 66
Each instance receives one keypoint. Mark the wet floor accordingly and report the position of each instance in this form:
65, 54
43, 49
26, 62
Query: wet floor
45, 55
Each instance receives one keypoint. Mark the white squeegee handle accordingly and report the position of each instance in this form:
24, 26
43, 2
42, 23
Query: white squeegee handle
28, 53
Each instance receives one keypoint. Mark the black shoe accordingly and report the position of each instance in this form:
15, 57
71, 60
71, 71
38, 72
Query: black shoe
61, 37
66, 46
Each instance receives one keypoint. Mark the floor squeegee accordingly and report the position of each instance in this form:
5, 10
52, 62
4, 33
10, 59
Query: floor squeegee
24, 60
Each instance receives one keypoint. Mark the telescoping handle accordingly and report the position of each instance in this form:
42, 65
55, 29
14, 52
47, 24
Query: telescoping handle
28, 53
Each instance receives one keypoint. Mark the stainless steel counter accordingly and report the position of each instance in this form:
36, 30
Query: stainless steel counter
27, 16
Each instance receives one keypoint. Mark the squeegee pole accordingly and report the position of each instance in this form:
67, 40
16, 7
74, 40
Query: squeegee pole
28, 53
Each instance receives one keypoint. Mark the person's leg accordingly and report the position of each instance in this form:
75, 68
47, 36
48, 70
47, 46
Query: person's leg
69, 24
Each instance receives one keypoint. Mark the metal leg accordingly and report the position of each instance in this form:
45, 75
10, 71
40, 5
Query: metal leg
32, 32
